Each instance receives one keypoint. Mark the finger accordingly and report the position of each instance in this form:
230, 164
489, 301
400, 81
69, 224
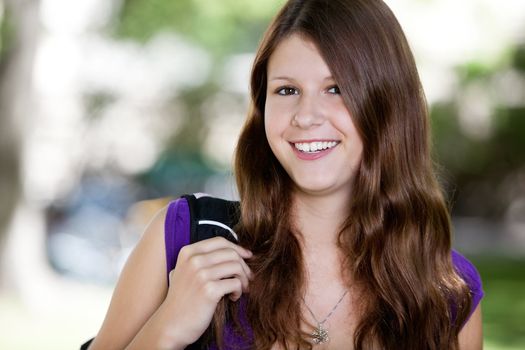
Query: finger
247, 269
225, 270
211, 244
236, 292
217, 257
217, 289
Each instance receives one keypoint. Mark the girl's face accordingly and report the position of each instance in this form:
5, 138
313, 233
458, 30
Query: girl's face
308, 126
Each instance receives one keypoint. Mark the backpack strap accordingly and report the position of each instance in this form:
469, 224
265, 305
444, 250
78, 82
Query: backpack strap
211, 217
193, 218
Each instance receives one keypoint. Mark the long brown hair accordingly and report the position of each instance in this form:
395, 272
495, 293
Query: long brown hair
397, 236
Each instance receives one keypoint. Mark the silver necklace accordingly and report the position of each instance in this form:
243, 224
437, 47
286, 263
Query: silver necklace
320, 333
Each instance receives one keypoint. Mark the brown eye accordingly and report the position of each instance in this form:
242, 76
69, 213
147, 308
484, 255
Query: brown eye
334, 90
286, 91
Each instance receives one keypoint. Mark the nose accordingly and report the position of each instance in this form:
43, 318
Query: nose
309, 113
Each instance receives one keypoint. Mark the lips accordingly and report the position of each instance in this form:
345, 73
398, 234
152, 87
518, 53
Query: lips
315, 149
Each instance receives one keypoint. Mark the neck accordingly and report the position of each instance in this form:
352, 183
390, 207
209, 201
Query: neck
319, 218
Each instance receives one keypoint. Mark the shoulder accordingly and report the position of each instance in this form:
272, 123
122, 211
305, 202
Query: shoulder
468, 272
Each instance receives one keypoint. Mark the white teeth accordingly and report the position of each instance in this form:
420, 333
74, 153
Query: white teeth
312, 147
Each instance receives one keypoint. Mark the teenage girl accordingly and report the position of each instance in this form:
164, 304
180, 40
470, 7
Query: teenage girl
344, 235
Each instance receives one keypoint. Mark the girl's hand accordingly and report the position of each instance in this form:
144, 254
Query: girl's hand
205, 272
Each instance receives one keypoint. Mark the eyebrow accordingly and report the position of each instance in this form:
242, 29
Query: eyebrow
292, 79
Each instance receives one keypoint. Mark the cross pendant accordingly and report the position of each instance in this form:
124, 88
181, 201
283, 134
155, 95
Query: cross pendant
320, 335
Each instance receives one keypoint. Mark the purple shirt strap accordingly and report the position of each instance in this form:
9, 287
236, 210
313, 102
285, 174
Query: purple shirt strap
176, 231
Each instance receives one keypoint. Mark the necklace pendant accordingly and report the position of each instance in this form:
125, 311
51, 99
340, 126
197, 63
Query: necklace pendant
320, 335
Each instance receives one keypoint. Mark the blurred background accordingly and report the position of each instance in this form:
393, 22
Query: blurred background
109, 108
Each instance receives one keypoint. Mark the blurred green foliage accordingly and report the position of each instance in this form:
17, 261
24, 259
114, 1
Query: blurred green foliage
9, 138
6, 33
223, 27
504, 304
193, 130
477, 168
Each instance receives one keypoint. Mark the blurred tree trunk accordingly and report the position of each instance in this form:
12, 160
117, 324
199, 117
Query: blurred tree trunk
16, 66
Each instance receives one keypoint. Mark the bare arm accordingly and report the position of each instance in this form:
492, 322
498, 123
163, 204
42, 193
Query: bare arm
140, 290
471, 335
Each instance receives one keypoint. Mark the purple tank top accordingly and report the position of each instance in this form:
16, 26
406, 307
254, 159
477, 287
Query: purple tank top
177, 222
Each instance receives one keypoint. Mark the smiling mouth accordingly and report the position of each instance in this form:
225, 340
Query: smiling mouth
315, 147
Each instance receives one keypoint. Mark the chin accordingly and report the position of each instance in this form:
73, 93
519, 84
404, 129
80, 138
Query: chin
315, 188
